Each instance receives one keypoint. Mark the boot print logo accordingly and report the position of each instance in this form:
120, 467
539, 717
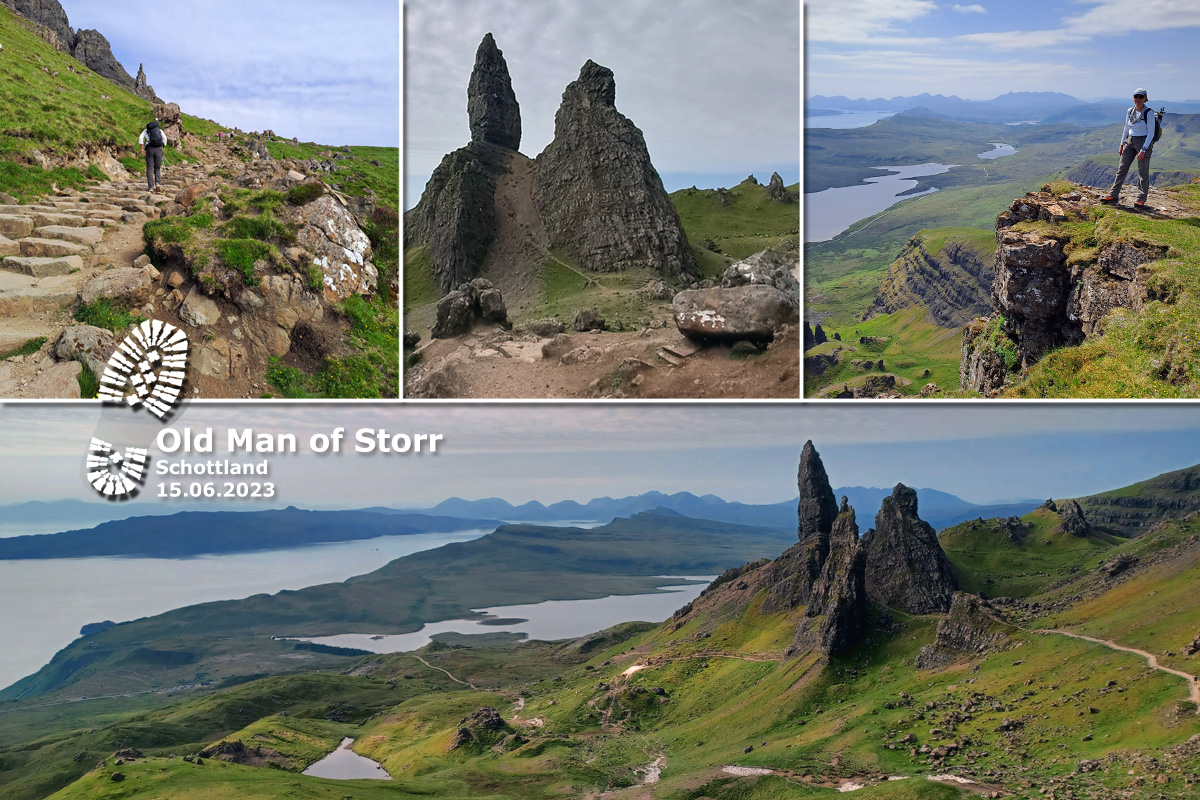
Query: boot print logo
147, 368
116, 474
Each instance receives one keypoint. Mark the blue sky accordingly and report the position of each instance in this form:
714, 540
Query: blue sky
747, 452
713, 85
320, 71
1087, 48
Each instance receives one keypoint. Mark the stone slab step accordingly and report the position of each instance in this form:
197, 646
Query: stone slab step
100, 213
16, 226
76, 235
97, 206
42, 267
670, 358
12, 339
69, 220
8, 247
682, 347
102, 223
26, 209
37, 299
134, 217
34, 247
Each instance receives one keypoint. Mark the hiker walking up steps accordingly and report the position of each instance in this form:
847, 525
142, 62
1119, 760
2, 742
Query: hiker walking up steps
152, 142
1141, 131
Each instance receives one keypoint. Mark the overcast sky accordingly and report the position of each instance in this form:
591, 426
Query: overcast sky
323, 72
1087, 48
982, 453
713, 85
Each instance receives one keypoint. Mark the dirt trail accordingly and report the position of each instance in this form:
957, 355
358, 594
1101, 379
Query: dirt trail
448, 675
520, 242
1151, 659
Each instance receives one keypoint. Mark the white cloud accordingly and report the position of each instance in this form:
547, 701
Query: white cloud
1008, 41
975, 8
1116, 17
862, 21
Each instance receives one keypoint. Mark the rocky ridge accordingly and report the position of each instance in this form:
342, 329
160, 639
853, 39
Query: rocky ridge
955, 285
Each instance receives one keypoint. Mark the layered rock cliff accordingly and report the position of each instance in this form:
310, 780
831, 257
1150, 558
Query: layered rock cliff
954, 282
1131, 511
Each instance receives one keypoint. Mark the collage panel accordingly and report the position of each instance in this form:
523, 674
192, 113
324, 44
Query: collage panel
605, 599
998, 204
632, 235
252, 209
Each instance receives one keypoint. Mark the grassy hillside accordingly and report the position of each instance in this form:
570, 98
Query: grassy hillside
56, 105
737, 222
717, 692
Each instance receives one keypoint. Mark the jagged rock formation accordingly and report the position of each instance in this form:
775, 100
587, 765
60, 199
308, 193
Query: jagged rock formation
143, 89
793, 573
593, 194
777, 192
954, 285
600, 198
836, 615
89, 47
1071, 519
492, 106
1044, 295
906, 567
968, 631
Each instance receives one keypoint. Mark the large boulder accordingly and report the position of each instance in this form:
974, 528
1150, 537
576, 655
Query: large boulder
967, 632
125, 286
746, 313
473, 300
87, 344
170, 118
600, 198
492, 107
769, 268
339, 248
1072, 520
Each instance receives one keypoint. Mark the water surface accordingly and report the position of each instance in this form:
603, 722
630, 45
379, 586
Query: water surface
998, 149
849, 119
829, 212
344, 764
549, 620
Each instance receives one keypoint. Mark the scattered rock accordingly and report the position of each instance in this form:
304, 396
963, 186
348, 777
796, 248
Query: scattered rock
199, 310
87, 344
125, 286
587, 320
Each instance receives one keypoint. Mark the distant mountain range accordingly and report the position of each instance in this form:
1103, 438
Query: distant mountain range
193, 533
939, 509
1014, 107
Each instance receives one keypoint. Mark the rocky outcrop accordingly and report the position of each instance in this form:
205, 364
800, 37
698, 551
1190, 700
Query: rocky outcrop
747, 313
94, 52
492, 108
777, 192
170, 118
143, 89
337, 247
967, 632
817, 508
474, 300
50, 15
1071, 519
1044, 294
906, 567
836, 614
600, 198
771, 267
954, 285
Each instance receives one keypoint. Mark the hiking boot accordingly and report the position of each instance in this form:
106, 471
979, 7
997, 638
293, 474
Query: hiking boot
1108, 198
1140, 205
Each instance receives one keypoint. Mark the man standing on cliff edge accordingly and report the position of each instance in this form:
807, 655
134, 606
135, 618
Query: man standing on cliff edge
1137, 139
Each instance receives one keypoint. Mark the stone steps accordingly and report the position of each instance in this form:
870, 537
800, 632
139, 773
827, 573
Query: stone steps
76, 235
16, 226
27, 209
35, 247
42, 267
38, 298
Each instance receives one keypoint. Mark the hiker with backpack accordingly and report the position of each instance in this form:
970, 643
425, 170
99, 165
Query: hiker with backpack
1142, 129
152, 141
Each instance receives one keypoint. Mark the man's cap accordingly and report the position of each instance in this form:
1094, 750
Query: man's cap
1141, 92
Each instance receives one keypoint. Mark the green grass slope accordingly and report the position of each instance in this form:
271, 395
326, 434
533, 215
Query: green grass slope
736, 223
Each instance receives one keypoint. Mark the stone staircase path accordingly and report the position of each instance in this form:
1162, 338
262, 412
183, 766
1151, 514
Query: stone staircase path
51, 248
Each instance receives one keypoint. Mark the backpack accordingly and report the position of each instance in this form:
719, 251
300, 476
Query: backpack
154, 136
1158, 115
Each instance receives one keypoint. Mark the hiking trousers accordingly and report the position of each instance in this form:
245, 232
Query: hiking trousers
154, 156
1133, 144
